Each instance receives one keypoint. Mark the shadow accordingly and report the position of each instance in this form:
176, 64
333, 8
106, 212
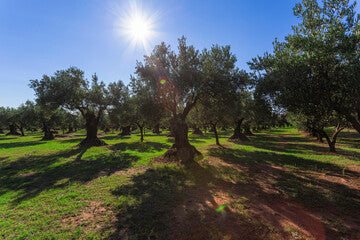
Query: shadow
7, 138
242, 157
295, 144
19, 144
34, 174
170, 202
139, 146
111, 137
324, 193
71, 140
146, 202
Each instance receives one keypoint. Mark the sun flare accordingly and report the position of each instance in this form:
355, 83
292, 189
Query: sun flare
138, 27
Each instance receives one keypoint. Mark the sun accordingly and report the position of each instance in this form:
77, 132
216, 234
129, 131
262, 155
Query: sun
138, 27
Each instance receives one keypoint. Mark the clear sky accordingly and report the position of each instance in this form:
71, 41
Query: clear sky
41, 36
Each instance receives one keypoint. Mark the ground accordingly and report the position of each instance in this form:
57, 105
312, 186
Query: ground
279, 185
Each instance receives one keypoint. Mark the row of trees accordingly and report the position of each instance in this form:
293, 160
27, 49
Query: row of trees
314, 73
311, 77
200, 88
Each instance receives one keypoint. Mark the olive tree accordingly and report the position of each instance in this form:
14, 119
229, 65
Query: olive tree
70, 90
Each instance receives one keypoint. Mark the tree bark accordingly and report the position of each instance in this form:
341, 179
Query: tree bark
213, 125
91, 139
238, 134
48, 135
332, 141
247, 130
12, 130
182, 149
125, 131
22, 131
141, 133
156, 129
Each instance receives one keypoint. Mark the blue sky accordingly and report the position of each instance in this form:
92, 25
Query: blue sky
41, 36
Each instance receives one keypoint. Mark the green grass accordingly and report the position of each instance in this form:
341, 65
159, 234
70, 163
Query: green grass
53, 190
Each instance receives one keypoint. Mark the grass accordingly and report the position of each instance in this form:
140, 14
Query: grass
53, 190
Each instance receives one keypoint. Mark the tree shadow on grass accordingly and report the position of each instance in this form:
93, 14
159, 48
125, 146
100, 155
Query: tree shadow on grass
238, 156
19, 144
350, 138
139, 146
169, 202
292, 145
35, 174
323, 193
7, 138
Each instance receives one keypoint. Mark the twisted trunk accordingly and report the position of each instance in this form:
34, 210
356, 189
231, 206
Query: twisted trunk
125, 131
182, 149
332, 141
156, 129
91, 139
247, 130
48, 134
238, 134
21, 128
12, 130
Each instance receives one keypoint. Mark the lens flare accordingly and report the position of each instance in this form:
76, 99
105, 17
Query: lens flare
137, 25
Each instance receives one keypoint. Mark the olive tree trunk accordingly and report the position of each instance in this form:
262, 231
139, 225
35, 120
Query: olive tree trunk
156, 129
182, 149
332, 141
125, 131
213, 126
48, 134
92, 123
238, 134
12, 130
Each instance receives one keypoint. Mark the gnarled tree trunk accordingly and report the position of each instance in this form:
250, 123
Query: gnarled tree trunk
238, 134
247, 130
91, 139
332, 141
48, 135
12, 130
21, 128
156, 129
125, 131
182, 149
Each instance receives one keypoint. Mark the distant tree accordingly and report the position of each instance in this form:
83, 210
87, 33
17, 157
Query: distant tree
315, 125
10, 118
70, 90
222, 80
146, 111
48, 119
26, 116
